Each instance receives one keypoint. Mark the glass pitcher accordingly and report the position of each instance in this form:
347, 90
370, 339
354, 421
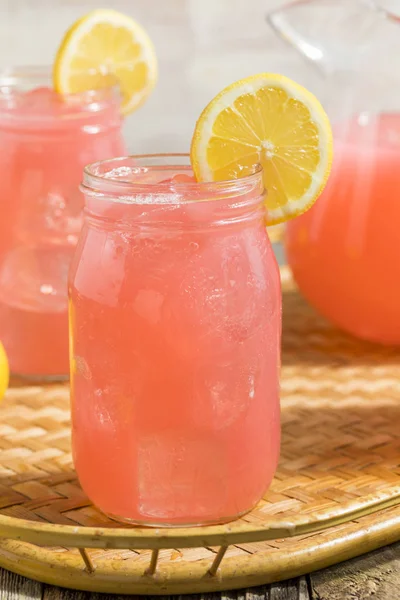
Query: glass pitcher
345, 252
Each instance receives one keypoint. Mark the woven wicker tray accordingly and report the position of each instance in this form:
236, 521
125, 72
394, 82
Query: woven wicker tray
336, 493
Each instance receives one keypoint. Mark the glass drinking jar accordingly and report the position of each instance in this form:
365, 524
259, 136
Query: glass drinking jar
45, 142
175, 325
344, 252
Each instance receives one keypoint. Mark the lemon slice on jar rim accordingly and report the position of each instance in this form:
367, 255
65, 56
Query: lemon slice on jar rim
107, 42
271, 120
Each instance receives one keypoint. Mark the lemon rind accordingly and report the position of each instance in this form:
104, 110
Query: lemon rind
82, 27
251, 85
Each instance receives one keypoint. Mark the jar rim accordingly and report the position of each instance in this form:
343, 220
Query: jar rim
15, 81
110, 179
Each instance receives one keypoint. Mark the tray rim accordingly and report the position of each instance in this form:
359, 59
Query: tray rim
234, 573
51, 534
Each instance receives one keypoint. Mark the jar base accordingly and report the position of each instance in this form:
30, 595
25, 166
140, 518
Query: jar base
137, 523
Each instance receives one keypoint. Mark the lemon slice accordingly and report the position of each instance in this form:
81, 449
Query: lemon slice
4, 371
267, 119
102, 46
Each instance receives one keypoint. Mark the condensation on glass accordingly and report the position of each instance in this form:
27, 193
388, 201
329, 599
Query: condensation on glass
175, 321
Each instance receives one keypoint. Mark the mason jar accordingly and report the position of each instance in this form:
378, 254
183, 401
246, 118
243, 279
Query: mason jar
175, 327
45, 141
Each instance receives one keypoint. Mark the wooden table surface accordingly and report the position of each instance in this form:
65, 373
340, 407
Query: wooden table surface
375, 576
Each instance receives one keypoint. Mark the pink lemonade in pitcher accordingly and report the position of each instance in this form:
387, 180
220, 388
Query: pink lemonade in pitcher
175, 316
344, 252
45, 141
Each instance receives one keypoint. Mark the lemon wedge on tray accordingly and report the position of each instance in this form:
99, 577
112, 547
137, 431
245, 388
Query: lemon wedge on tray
272, 120
4, 372
102, 47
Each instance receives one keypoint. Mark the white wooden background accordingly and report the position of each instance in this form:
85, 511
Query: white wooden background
202, 45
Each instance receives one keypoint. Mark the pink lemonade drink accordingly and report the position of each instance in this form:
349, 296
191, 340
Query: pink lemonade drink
45, 141
344, 252
175, 324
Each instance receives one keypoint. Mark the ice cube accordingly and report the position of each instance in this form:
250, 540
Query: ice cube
183, 178
51, 215
147, 305
36, 278
180, 178
180, 474
194, 311
220, 299
42, 100
224, 390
